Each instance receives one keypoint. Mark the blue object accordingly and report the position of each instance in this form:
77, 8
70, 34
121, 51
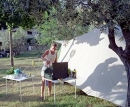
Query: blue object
17, 71
46, 83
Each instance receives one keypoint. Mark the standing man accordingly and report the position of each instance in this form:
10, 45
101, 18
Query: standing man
48, 57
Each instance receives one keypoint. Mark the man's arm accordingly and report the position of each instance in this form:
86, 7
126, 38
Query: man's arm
44, 54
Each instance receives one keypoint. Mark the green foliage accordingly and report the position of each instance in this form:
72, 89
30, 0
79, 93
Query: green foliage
107, 12
69, 71
56, 27
19, 34
19, 12
95, 12
27, 22
5, 39
10, 71
47, 29
19, 38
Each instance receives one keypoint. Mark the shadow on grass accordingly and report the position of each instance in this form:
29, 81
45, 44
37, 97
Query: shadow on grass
16, 97
57, 105
28, 55
3, 71
61, 101
48, 102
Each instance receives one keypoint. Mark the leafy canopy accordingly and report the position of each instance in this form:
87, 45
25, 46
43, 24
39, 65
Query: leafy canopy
98, 12
22, 13
57, 26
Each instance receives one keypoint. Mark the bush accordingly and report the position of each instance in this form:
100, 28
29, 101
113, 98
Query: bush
11, 71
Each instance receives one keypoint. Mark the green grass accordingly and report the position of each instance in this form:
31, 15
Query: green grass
30, 99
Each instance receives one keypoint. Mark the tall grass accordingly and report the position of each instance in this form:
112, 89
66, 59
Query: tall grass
64, 93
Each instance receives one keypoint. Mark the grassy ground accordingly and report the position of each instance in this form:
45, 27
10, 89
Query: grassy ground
64, 98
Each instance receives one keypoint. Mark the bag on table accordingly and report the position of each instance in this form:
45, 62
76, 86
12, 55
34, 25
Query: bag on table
48, 73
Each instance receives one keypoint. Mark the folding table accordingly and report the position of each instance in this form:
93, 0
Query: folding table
18, 79
58, 81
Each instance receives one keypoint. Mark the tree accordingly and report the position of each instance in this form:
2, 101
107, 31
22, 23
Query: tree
22, 13
5, 39
48, 29
19, 39
109, 13
55, 26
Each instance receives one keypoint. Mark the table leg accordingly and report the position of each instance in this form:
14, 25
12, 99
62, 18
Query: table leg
6, 87
54, 93
20, 91
75, 88
44, 88
17, 86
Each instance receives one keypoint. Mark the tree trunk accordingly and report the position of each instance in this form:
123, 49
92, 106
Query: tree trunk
124, 55
128, 89
11, 50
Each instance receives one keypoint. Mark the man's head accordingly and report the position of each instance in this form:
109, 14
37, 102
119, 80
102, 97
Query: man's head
53, 46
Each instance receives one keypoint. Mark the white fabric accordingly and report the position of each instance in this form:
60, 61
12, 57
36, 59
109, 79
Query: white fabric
49, 57
44, 67
100, 72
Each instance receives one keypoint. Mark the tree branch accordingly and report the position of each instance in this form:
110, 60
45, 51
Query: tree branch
111, 38
126, 35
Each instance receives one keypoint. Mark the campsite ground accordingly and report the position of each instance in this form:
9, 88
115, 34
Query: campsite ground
30, 99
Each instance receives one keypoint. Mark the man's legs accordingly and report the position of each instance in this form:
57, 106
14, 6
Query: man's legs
42, 87
49, 87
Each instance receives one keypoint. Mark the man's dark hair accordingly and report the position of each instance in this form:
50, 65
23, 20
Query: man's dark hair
54, 44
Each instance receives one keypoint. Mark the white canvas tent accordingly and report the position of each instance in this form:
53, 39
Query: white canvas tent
100, 72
